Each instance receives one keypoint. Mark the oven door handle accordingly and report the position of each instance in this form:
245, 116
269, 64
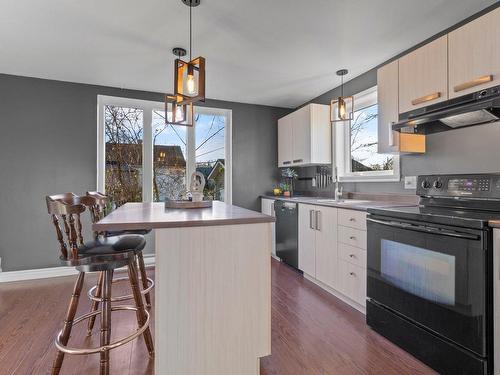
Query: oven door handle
424, 229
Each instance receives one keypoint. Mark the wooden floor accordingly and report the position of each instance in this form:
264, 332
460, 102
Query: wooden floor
312, 333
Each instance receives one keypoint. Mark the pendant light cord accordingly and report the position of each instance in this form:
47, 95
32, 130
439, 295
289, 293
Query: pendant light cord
190, 31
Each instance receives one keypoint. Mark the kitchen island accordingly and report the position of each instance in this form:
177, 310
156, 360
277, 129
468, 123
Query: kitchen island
213, 285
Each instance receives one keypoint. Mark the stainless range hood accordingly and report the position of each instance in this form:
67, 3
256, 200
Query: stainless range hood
474, 109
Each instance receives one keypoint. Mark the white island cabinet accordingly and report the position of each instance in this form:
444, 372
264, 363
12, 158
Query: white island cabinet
213, 286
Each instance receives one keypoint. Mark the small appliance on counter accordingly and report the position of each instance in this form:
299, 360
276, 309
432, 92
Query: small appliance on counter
430, 274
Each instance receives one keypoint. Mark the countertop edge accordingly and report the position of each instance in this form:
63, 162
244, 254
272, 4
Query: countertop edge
354, 207
102, 227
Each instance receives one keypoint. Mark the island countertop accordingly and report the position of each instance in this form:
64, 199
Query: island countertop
136, 216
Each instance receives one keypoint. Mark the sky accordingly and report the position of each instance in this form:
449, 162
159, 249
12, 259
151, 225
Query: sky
369, 134
209, 133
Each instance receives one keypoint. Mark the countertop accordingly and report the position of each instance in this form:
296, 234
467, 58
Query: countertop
361, 205
134, 216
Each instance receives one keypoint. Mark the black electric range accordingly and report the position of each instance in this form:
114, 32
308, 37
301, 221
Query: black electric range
430, 272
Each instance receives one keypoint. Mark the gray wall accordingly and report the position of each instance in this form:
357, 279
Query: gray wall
48, 145
468, 150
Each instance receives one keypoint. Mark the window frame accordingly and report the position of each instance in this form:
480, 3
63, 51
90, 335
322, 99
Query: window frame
342, 142
148, 107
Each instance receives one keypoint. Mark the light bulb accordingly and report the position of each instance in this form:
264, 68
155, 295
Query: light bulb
191, 84
342, 109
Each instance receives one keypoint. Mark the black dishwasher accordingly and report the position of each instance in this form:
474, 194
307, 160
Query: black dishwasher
287, 232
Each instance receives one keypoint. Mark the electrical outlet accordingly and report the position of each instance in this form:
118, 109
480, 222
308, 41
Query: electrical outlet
410, 182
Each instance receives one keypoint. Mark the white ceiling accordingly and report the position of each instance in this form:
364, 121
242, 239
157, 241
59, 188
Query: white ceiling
274, 52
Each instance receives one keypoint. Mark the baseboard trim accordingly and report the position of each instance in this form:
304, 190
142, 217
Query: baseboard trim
45, 273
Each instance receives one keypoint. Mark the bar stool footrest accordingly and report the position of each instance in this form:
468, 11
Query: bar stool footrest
113, 345
92, 297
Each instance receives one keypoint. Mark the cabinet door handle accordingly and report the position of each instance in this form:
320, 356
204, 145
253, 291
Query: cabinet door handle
318, 220
352, 219
298, 160
352, 237
474, 82
426, 98
352, 274
287, 162
352, 255
311, 219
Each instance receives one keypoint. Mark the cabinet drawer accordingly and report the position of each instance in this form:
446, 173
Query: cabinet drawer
352, 219
353, 237
353, 282
353, 255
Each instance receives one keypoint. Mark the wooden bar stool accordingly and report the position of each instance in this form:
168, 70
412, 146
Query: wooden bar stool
101, 208
102, 255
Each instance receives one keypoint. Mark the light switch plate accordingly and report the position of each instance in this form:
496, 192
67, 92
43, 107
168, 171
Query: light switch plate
410, 182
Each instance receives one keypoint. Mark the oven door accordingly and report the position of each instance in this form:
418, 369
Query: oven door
433, 275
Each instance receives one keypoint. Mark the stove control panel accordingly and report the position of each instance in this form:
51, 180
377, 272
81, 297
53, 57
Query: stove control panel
472, 186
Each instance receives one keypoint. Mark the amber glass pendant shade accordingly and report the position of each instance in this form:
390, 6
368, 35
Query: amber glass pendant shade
189, 81
178, 114
341, 109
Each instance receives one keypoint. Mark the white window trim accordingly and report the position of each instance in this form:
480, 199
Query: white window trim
148, 107
342, 140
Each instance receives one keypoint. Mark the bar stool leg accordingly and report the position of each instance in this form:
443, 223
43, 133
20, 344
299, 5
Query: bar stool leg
106, 320
144, 278
68, 322
95, 304
141, 316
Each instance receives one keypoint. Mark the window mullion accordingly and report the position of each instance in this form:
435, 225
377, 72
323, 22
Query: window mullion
190, 154
147, 155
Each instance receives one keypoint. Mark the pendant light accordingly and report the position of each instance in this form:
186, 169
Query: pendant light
342, 108
189, 81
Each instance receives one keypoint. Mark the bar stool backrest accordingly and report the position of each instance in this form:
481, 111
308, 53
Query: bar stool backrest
66, 219
102, 205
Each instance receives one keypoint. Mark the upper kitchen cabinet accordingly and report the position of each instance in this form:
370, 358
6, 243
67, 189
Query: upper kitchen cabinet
390, 141
305, 137
285, 141
474, 55
423, 76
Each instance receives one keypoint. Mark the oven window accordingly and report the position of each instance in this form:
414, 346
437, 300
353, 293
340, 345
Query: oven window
424, 273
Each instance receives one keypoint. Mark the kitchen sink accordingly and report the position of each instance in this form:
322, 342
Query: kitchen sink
344, 201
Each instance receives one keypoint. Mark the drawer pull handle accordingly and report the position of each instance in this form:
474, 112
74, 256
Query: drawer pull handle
352, 238
472, 83
352, 274
352, 219
298, 160
287, 162
352, 255
426, 98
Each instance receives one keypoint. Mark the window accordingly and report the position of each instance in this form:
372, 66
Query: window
357, 143
140, 158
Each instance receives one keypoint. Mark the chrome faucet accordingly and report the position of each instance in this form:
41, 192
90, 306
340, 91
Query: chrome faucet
338, 188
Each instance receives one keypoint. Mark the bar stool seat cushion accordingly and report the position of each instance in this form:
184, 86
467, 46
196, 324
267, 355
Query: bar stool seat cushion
113, 245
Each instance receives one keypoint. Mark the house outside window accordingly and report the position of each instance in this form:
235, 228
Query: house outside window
140, 158
357, 144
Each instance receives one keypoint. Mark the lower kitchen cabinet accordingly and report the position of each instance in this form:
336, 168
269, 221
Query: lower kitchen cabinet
326, 246
307, 239
352, 282
332, 251
267, 207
